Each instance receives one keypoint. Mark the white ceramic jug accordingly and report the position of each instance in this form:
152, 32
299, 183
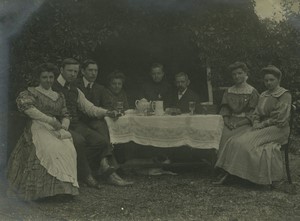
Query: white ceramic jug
158, 107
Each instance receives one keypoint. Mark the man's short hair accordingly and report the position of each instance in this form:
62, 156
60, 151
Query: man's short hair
182, 74
87, 63
157, 65
68, 61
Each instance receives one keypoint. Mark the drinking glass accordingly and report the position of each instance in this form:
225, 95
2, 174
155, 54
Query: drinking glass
192, 106
119, 107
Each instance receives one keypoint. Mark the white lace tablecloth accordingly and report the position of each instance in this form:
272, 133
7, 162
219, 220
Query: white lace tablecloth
197, 131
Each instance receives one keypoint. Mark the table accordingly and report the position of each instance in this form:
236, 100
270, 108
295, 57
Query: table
196, 131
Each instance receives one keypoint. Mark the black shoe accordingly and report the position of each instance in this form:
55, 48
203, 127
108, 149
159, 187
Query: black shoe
114, 179
105, 169
222, 180
91, 182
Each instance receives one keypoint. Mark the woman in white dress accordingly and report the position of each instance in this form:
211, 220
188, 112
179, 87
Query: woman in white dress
43, 163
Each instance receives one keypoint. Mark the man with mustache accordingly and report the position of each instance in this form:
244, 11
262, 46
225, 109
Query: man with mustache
184, 95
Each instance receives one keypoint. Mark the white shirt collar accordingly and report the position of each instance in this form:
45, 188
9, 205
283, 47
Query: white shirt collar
86, 82
61, 80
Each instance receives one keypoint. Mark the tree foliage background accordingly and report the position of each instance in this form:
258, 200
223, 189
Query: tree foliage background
183, 35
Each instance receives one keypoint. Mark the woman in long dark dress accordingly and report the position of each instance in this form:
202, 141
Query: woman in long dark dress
238, 103
255, 155
43, 163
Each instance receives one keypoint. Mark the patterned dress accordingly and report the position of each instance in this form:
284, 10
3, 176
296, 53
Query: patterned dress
238, 104
255, 155
43, 163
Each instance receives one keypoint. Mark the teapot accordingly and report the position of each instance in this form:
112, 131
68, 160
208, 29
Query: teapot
142, 105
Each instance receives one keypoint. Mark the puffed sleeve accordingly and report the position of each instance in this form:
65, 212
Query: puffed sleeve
65, 121
281, 113
25, 101
253, 101
64, 111
225, 110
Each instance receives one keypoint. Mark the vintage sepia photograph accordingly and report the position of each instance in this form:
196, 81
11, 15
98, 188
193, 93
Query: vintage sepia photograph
149, 110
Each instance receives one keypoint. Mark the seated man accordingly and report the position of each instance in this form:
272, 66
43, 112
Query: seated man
157, 88
94, 92
90, 147
184, 95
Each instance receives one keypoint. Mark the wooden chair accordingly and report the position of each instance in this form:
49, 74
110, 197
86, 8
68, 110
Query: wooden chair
285, 147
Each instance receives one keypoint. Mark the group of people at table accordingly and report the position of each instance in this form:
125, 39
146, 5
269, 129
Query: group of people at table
66, 138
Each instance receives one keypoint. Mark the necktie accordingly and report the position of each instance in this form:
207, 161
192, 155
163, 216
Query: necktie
180, 95
88, 91
67, 85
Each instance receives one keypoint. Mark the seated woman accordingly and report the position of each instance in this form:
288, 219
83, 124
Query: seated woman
255, 155
115, 93
43, 163
238, 103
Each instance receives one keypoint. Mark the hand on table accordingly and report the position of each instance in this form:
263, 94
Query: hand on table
113, 114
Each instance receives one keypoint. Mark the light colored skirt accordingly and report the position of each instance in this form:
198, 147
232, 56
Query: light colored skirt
255, 154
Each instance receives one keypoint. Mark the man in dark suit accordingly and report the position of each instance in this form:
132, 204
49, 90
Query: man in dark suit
184, 95
94, 92
91, 148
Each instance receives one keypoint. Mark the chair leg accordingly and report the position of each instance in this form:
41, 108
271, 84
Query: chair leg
287, 165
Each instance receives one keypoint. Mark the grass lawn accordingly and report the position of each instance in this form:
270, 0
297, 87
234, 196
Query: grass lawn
187, 196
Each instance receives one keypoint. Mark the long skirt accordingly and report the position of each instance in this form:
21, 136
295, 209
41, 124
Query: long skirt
42, 164
227, 133
255, 155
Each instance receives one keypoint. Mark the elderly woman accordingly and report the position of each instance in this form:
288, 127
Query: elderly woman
43, 163
238, 103
255, 155
115, 93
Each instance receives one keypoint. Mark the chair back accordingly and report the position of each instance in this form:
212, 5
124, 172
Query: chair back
292, 113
